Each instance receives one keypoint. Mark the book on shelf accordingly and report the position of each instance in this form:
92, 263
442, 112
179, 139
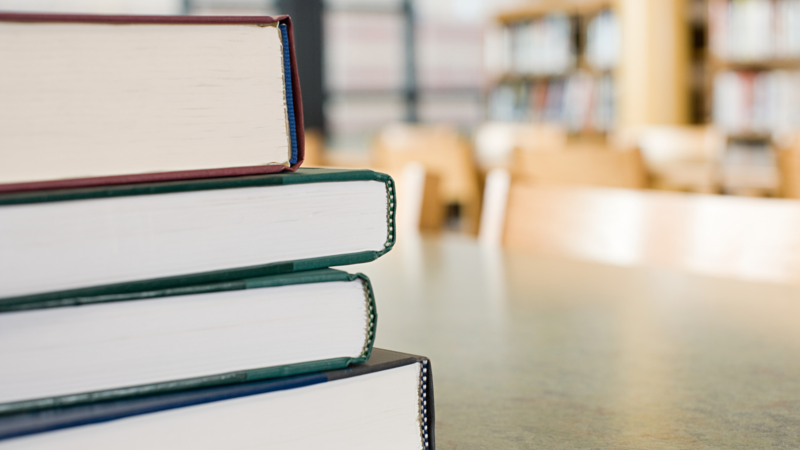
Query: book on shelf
548, 45
749, 166
542, 46
603, 40
760, 102
95, 100
386, 402
105, 347
539, 46
754, 30
579, 102
138, 237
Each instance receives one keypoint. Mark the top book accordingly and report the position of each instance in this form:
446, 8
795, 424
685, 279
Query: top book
93, 100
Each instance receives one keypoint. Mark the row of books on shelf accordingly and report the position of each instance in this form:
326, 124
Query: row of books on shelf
164, 259
603, 40
547, 45
749, 165
757, 102
754, 30
542, 46
579, 102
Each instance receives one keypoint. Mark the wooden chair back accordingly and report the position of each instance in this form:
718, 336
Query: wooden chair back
418, 200
495, 142
788, 159
678, 157
443, 153
586, 164
748, 238
314, 149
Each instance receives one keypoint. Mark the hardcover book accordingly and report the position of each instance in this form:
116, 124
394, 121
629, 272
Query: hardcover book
89, 349
138, 237
93, 100
384, 403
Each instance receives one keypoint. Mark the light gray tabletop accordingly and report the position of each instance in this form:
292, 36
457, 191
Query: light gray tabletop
538, 352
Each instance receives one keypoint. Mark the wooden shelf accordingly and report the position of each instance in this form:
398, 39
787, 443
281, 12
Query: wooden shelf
515, 77
749, 136
587, 136
586, 67
533, 11
767, 64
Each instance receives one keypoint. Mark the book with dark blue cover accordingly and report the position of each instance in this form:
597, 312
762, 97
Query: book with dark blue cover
382, 403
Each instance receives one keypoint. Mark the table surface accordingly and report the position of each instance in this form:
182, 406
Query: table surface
538, 352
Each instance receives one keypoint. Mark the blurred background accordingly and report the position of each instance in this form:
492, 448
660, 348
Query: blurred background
695, 96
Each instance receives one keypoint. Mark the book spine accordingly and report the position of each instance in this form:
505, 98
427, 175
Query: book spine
287, 79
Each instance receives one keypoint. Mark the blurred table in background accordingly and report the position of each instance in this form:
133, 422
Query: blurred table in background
538, 352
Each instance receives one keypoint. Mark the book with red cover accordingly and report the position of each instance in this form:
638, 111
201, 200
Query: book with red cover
93, 100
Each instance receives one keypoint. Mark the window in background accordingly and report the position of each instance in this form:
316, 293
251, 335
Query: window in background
364, 70
393, 60
449, 54
231, 7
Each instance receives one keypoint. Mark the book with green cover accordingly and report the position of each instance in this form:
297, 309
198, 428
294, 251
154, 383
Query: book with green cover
139, 237
78, 350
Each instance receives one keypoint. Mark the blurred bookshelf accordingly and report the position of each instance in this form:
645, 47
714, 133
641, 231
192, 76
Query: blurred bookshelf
754, 61
555, 62
754, 85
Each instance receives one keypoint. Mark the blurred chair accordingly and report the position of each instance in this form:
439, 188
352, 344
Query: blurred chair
723, 236
788, 159
443, 154
495, 142
580, 164
314, 149
684, 158
493, 210
419, 200
750, 168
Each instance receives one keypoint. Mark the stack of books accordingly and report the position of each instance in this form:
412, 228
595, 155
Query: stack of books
164, 277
